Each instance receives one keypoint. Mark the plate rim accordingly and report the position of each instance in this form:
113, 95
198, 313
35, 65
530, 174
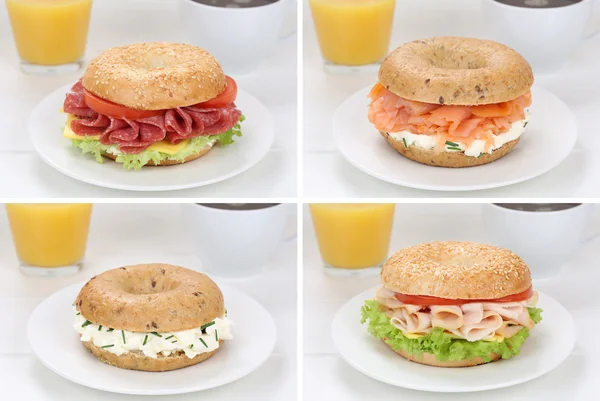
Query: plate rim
365, 295
226, 288
437, 188
82, 178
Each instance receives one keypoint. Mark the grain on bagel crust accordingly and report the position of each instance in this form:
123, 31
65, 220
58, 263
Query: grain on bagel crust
430, 359
456, 270
155, 75
150, 297
456, 71
138, 361
445, 158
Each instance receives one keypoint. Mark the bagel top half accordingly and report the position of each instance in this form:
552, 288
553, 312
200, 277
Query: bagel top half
456, 71
155, 76
151, 297
456, 270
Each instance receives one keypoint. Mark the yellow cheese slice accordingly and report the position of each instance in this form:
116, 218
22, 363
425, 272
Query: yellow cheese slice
412, 336
160, 146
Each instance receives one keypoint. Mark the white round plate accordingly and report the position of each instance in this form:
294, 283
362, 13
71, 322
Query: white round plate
548, 140
57, 345
550, 343
45, 129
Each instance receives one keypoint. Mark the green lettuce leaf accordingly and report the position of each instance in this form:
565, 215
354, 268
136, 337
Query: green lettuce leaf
444, 347
138, 160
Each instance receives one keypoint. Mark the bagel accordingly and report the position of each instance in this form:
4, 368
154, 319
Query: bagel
430, 359
456, 71
456, 270
151, 317
155, 75
452, 102
447, 159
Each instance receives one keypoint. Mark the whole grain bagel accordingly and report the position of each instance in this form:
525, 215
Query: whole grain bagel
456, 71
456, 270
138, 361
150, 297
155, 75
431, 360
191, 157
447, 159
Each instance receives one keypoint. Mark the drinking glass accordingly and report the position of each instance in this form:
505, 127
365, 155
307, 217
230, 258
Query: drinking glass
50, 239
354, 238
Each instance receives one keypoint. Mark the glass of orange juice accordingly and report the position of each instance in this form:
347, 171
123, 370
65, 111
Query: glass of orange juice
354, 35
354, 238
50, 34
50, 238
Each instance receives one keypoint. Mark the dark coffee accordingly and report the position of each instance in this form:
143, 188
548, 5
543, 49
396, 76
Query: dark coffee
238, 206
235, 3
539, 3
538, 207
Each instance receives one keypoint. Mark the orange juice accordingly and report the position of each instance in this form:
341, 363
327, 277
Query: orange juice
353, 236
353, 32
50, 32
49, 235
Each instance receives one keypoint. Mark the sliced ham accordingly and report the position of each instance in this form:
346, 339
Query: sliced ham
485, 328
408, 319
133, 136
387, 298
448, 317
514, 311
508, 329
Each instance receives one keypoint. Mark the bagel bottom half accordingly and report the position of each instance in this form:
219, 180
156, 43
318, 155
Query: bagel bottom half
194, 156
447, 159
139, 361
431, 360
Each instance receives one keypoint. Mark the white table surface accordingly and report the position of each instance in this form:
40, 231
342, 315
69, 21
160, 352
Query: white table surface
24, 378
327, 174
117, 22
328, 377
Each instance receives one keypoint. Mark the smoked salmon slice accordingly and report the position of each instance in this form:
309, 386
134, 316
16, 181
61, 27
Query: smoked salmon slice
391, 113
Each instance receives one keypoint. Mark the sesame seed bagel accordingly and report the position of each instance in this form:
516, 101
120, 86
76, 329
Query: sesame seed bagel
445, 158
150, 297
456, 71
167, 162
138, 361
456, 270
155, 76
430, 359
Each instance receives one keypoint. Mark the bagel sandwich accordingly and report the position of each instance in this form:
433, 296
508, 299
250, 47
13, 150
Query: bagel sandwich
453, 304
152, 104
451, 101
151, 317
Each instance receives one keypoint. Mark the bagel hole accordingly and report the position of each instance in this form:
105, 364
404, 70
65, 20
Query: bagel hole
455, 58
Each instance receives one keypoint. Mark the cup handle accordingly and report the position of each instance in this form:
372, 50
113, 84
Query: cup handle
597, 31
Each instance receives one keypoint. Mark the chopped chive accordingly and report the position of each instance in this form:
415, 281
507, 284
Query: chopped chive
452, 144
216, 335
191, 346
202, 341
156, 334
107, 346
452, 148
78, 313
86, 323
145, 339
123, 333
405, 145
203, 327
481, 154
525, 125
100, 328
171, 336
109, 330
174, 341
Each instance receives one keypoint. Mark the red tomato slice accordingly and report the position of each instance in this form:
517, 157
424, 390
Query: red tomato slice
427, 300
227, 97
115, 110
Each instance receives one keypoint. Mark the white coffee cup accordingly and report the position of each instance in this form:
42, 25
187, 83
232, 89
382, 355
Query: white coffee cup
544, 239
544, 36
240, 38
236, 243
